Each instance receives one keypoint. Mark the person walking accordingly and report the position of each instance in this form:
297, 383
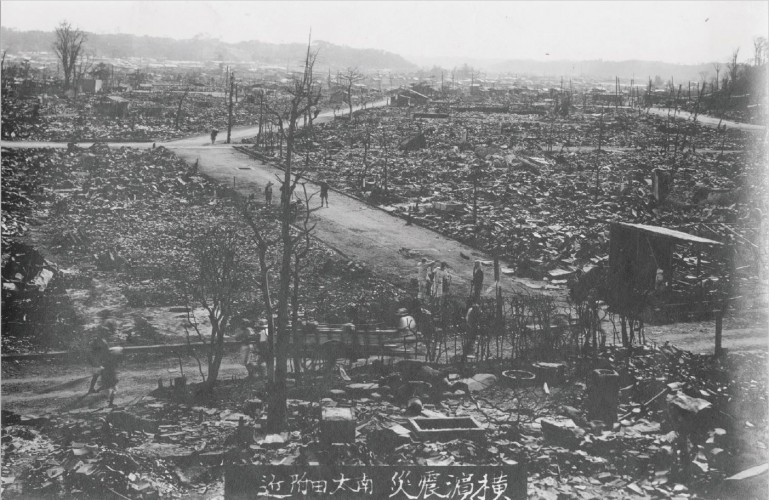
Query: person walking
251, 350
477, 283
268, 194
323, 192
106, 360
214, 133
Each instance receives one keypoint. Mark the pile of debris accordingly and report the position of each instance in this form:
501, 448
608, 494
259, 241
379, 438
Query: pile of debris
546, 212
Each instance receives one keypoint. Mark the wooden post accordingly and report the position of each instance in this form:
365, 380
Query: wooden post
229, 118
498, 294
719, 325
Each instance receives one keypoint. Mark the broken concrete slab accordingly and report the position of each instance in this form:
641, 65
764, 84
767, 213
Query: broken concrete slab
389, 438
447, 428
562, 432
337, 425
603, 395
479, 382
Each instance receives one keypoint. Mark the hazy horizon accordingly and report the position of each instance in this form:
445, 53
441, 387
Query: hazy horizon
671, 32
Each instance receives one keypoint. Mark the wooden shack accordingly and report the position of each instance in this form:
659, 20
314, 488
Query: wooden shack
638, 253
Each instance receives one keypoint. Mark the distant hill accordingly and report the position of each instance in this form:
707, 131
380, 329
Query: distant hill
206, 49
640, 70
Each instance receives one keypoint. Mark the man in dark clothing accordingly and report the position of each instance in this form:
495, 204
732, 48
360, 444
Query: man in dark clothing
268, 194
214, 133
107, 360
323, 192
477, 281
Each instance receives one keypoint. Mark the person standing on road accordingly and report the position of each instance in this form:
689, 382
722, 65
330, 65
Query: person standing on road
441, 280
477, 284
423, 278
214, 133
268, 194
323, 192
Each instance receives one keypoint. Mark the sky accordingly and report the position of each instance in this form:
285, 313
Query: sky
688, 32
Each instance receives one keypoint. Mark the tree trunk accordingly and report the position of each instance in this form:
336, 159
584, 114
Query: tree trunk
295, 333
268, 309
179, 109
229, 113
278, 408
214, 362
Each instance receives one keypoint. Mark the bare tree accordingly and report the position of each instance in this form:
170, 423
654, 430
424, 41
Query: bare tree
217, 284
717, 67
179, 108
68, 48
703, 77
350, 77
733, 67
759, 47
83, 66
366, 139
302, 96
384, 143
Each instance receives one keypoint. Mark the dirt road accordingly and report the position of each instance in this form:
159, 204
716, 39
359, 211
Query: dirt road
24, 381
358, 230
710, 121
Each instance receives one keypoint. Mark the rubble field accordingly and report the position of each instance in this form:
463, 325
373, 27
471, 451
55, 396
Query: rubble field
152, 117
168, 444
115, 228
547, 208
99, 233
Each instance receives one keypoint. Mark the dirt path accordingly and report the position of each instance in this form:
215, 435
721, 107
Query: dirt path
360, 231
710, 121
700, 337
23, 382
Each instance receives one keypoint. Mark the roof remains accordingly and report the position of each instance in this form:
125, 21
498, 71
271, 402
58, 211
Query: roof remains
669, 233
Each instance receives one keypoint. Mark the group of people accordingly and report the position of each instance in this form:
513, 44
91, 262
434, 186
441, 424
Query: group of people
323, 184
435, 281
323, 193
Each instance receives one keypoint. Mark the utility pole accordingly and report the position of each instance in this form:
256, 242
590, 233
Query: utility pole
259, 136
229, 119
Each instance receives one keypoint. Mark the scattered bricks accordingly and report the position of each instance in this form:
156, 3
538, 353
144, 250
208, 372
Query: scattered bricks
603, 395
337, 425
551, 373
563, 433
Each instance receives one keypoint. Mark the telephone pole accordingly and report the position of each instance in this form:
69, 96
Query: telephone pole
232, 91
